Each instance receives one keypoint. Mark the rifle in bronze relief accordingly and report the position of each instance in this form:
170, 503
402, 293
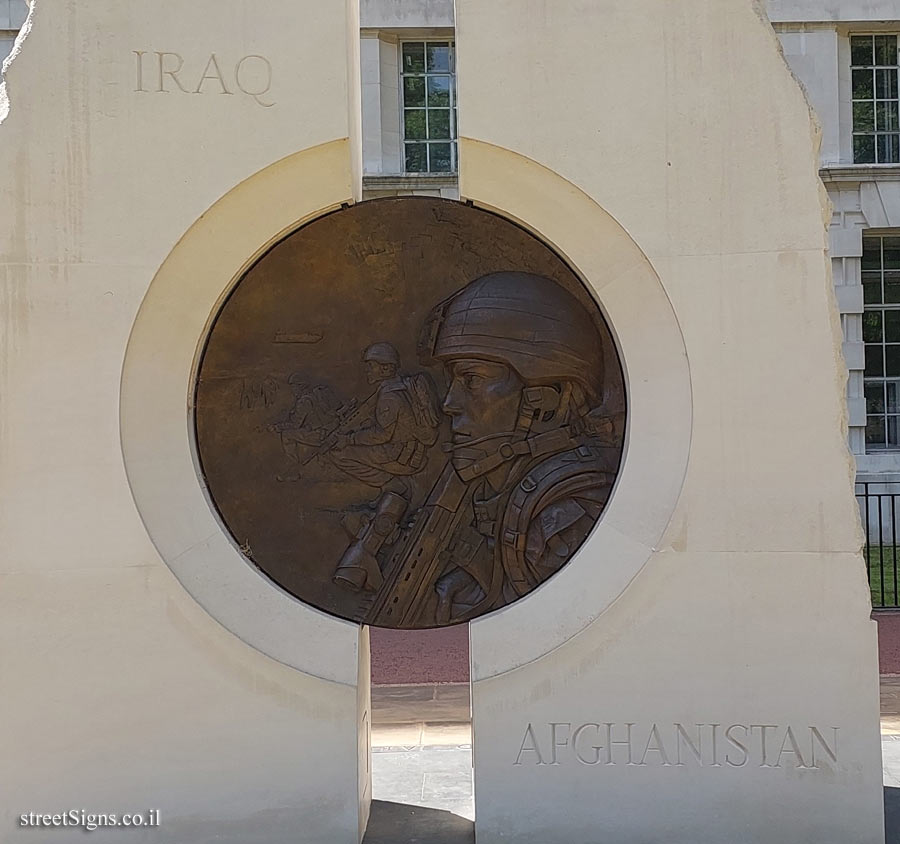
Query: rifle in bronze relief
353, 417
419, 558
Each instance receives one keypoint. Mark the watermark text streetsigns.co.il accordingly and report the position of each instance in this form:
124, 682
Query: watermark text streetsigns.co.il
90, 821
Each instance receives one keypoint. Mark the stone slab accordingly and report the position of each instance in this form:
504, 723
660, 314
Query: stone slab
751, 597
123, 128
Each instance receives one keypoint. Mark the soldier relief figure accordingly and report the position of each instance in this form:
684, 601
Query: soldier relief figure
530, 466
460, 481
401, 424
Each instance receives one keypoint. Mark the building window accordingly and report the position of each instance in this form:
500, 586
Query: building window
428, 77
7, 41
876, 124
881, 333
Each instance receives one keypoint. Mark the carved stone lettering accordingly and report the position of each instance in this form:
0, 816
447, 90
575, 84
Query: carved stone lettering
139, 69
166, 72
693, 744
738, 745
789, 745
170, 65
714, 735
763, 741
596, 748
612, 744
529, 745
213, 72
816, 739
558, 739
253, 75
655, 745
769, 746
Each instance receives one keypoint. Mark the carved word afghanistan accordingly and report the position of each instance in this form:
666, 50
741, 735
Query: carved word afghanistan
165, 73
679, 745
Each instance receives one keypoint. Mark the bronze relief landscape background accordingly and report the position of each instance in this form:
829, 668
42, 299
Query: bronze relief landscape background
409, 413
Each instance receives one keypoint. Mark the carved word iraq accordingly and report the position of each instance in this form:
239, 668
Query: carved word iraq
528, 464
164, 72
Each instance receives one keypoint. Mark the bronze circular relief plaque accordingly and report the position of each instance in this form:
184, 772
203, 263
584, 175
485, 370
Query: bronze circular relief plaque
409, 413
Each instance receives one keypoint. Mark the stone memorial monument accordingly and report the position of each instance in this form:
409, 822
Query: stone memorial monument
594, 410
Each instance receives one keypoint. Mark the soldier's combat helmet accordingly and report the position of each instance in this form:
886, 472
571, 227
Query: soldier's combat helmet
383, 353
525, 321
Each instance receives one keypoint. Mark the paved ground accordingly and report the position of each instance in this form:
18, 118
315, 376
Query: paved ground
395, 823
422, 764
422, 748
890, 730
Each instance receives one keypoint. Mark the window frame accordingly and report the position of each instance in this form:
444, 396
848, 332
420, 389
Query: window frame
884, 380
875, 133
451, 107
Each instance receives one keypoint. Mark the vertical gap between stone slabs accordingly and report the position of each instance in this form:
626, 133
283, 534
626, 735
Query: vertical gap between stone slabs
421, 735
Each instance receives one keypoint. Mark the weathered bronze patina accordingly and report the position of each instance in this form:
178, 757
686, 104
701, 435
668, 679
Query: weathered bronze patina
410, 413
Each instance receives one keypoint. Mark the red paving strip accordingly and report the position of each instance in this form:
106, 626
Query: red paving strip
442, 656
420, 656
888, 641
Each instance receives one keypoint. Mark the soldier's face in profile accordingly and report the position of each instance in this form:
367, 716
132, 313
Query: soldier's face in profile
482, 400
376, 371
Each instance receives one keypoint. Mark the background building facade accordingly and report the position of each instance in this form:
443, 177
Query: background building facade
12, 17
845, 55
408, 64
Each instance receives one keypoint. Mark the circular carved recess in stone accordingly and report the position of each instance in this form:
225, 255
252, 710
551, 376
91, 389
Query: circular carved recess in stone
409, 413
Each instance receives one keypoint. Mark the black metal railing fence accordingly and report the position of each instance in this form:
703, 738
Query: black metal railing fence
879, 512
